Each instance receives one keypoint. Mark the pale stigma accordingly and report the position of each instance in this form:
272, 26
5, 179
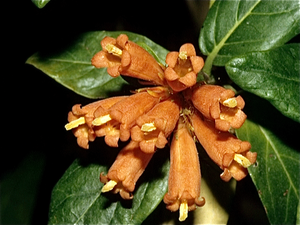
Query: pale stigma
183, 211
242, 160
148, 127
109, 186
230, 102
113, 50
182, 55
75, 123
101, 120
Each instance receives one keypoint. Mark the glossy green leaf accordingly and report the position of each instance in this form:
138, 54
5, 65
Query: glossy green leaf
276, 172
273, 75
235, 27
40, 3
71, 66
77, 198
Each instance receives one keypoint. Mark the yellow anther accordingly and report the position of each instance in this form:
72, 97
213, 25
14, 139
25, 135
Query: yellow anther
222, 116
148, 127
75, 123
242, 160
113, 50
182, 55
109, 186
152, 93
183, 211
161, 76
101, 120
230, 102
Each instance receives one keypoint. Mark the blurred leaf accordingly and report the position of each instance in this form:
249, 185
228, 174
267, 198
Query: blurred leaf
276, 172
40, 3
273, 75
72, 67
77, 198
19, 190
235, 27
298, 214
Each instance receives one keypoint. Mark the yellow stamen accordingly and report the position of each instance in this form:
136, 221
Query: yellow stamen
183, 211
148, 127
113, 50
242, 160
101, 120
161, 76
109, 186
230, 102
222, 116
152, 93
182, 55
75, 123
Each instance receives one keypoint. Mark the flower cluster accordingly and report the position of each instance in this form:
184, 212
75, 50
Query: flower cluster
176, 108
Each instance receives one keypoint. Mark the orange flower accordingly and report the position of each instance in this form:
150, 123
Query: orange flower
126, 170
226, 150
151, 114
153, 128
219, 104
122, 56
127, 111
183, 67
184, 176
81, 120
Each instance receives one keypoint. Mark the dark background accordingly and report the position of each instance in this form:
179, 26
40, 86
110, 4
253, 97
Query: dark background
36, 148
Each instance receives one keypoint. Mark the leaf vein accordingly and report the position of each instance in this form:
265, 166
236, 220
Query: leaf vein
280, 160
89, 206
70, 61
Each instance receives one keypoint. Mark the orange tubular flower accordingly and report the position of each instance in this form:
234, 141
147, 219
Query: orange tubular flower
183, 67
219, 104
225, 149
122, 56
126, 170
81, 120
153, 128
104, 125
184, 176
128, 110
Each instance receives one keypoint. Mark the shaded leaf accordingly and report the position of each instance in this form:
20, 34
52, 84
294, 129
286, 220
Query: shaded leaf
273, 75
20, 189
77, 198
235, 27
276, 172
72, 67
40, 3
298, 214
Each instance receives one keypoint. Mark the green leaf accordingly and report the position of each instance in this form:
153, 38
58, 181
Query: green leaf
20, 190
235, 27
71, 66
298, 214
40, 3
273, 75
275, 138
77, 197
